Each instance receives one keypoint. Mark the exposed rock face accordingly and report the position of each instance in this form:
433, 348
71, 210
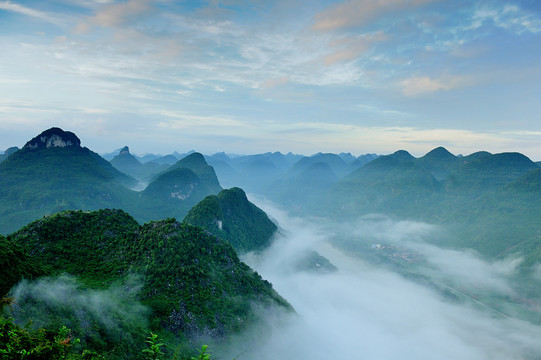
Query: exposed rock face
125, 151
54, 137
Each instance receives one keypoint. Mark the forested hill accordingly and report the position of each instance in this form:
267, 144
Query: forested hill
193, 282
232, 217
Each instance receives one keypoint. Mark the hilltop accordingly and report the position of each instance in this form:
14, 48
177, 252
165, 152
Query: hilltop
233, 218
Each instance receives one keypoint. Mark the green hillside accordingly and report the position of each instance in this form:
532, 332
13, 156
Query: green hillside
193, 282
39, 180
196, 162
230, 216
487, 202
52, 172
427, 188
391, 184
16, 264
503, 222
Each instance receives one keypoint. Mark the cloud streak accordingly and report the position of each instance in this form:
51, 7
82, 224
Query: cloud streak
420, 85
354, 13
41, 15
114, 15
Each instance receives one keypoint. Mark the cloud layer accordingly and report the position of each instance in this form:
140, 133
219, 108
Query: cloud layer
365, 311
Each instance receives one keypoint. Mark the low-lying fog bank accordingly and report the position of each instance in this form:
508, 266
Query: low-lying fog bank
366, 311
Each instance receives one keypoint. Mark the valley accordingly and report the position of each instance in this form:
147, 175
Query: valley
293, 249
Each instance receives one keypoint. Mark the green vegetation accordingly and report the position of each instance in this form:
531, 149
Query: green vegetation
18, 343
203, 354
154, 351
488, 202
43, 179
233, 218
206, 174
164, 275
36, 182
16, 265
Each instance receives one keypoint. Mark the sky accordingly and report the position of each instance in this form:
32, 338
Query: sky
306, 76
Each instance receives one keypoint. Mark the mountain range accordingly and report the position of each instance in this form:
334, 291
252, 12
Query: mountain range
487, 201
52, 172
67, 210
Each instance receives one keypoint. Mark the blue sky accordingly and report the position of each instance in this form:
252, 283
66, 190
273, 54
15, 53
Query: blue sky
359, 76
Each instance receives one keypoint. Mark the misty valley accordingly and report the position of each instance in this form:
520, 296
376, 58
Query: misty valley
267, 256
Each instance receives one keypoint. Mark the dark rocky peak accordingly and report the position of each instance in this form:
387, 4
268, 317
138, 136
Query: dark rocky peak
54, 137
125, 151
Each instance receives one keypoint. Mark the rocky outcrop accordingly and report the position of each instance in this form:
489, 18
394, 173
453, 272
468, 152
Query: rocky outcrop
53, 137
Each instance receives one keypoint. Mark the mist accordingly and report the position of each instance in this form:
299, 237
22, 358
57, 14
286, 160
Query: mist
52, 302
367, 311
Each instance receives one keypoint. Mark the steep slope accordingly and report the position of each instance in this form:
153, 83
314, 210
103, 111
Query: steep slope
193, 281
196, 162
181, 186
16, 265
225, 172
53, 172
233, 218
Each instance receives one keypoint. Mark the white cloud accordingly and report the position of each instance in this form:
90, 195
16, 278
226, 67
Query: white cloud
178, 120
419, 85
358, 12
48, 17
350, 48
509, 17
113, 15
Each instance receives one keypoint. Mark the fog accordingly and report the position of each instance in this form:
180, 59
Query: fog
464, 268
64, 300
366, 311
